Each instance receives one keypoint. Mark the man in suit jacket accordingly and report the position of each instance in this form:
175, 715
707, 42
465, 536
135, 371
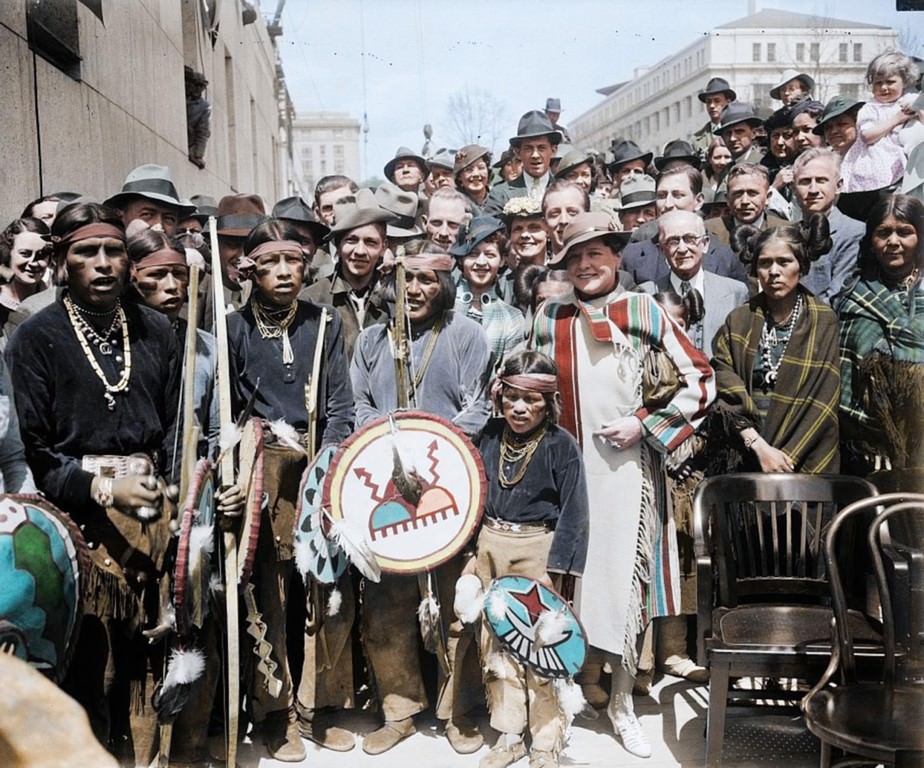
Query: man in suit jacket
817, 184
535, 145
747, 199
681, 239
679, 188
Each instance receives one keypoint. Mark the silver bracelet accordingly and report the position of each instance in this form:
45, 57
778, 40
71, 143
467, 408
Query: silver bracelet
749, 443
103, 495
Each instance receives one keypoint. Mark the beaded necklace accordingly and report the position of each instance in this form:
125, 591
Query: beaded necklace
79, 325
773, 336
101, 340
512, 453
275, 325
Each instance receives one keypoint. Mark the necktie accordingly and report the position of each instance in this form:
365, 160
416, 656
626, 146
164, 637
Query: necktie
684, 288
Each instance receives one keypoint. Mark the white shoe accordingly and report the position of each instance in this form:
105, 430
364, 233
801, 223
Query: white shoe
630, 732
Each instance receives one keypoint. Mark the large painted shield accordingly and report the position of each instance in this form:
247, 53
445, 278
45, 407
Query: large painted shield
250, 473
316, 555
192, 570
536, 625
414, 483
44, 566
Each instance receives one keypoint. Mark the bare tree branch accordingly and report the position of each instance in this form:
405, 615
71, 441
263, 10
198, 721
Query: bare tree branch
474, 116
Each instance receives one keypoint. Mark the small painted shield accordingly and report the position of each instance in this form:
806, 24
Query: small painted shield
250, 474
536, 625
315, 554
192, 571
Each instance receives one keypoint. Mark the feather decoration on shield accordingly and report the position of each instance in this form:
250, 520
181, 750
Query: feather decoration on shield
316, 555
354, 541
287, 435
183, 670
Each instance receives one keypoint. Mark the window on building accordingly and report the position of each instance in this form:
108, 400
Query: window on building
689, 105
771, 51
338, 158
800, 51
858, 52
850, 90
755, 52
842, 53
815, 52
53, 34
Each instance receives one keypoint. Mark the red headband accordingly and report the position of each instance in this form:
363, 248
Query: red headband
532, 382
160, 258
439, 262
99, 229
275, 246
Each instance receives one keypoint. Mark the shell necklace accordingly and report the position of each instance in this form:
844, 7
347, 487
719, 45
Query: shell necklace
81, 328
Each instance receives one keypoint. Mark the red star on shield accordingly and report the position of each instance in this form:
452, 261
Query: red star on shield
532, 601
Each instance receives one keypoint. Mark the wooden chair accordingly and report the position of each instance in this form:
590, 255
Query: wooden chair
763, 595
880, 720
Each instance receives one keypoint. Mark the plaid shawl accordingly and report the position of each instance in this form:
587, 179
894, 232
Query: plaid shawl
645, 325
802, 418
876, 319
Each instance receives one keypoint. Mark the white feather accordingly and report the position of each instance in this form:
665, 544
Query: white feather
303, 556
428, 610
201, 542
550, 629
216, 585
495, 606
495, 668
352, 538
334, 602
184, 667
230, 436
286, 434
469, 598
571, 699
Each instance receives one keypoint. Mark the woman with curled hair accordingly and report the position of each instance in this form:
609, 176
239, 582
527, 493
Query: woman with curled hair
25, 253
882, 341
776, 360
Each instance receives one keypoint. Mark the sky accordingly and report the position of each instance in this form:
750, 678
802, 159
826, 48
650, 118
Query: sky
400, 62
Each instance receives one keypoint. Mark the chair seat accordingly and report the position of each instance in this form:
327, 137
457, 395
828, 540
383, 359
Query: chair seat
786, 629
870, 719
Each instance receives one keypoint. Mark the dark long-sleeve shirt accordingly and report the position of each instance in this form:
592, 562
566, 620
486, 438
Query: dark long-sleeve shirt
63, 413
553, 490
281, 394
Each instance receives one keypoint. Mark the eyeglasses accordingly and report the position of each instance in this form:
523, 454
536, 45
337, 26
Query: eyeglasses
673, 243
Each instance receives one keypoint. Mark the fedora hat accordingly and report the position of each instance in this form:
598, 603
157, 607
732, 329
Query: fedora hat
625, 151
572, 160
238, 214
206, 206
636, 192
506, 156
363, 209
589, 226
789, 75
678, 149
404, 153
297, 210
444, 158
469, 154
534, 124
715, 86
837, 106
737, 112
152, 182
479, 230
553, 105
403, 206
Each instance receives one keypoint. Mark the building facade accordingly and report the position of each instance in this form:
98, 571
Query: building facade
324, 144
660, 103
94, 89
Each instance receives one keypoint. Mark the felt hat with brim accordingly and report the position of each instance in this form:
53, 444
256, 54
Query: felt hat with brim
735, 113
403, 206
444, 158
297, 210
469, 154
480, 229
206, 206
572, 160
837, 106
585, 227
521, 208
553, 105
715, 86
713, 198
625, 151
533, 125
404, 153
238, 214
788, 76
363, 209
506, 156
152, 182
636, 192
678, 149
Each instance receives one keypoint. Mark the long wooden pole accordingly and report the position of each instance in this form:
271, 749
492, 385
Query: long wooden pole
226, 477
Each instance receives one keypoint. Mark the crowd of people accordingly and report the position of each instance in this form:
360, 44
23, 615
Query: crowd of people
607, 328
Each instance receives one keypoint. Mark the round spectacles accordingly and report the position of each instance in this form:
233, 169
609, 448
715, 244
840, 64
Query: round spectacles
673, 243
